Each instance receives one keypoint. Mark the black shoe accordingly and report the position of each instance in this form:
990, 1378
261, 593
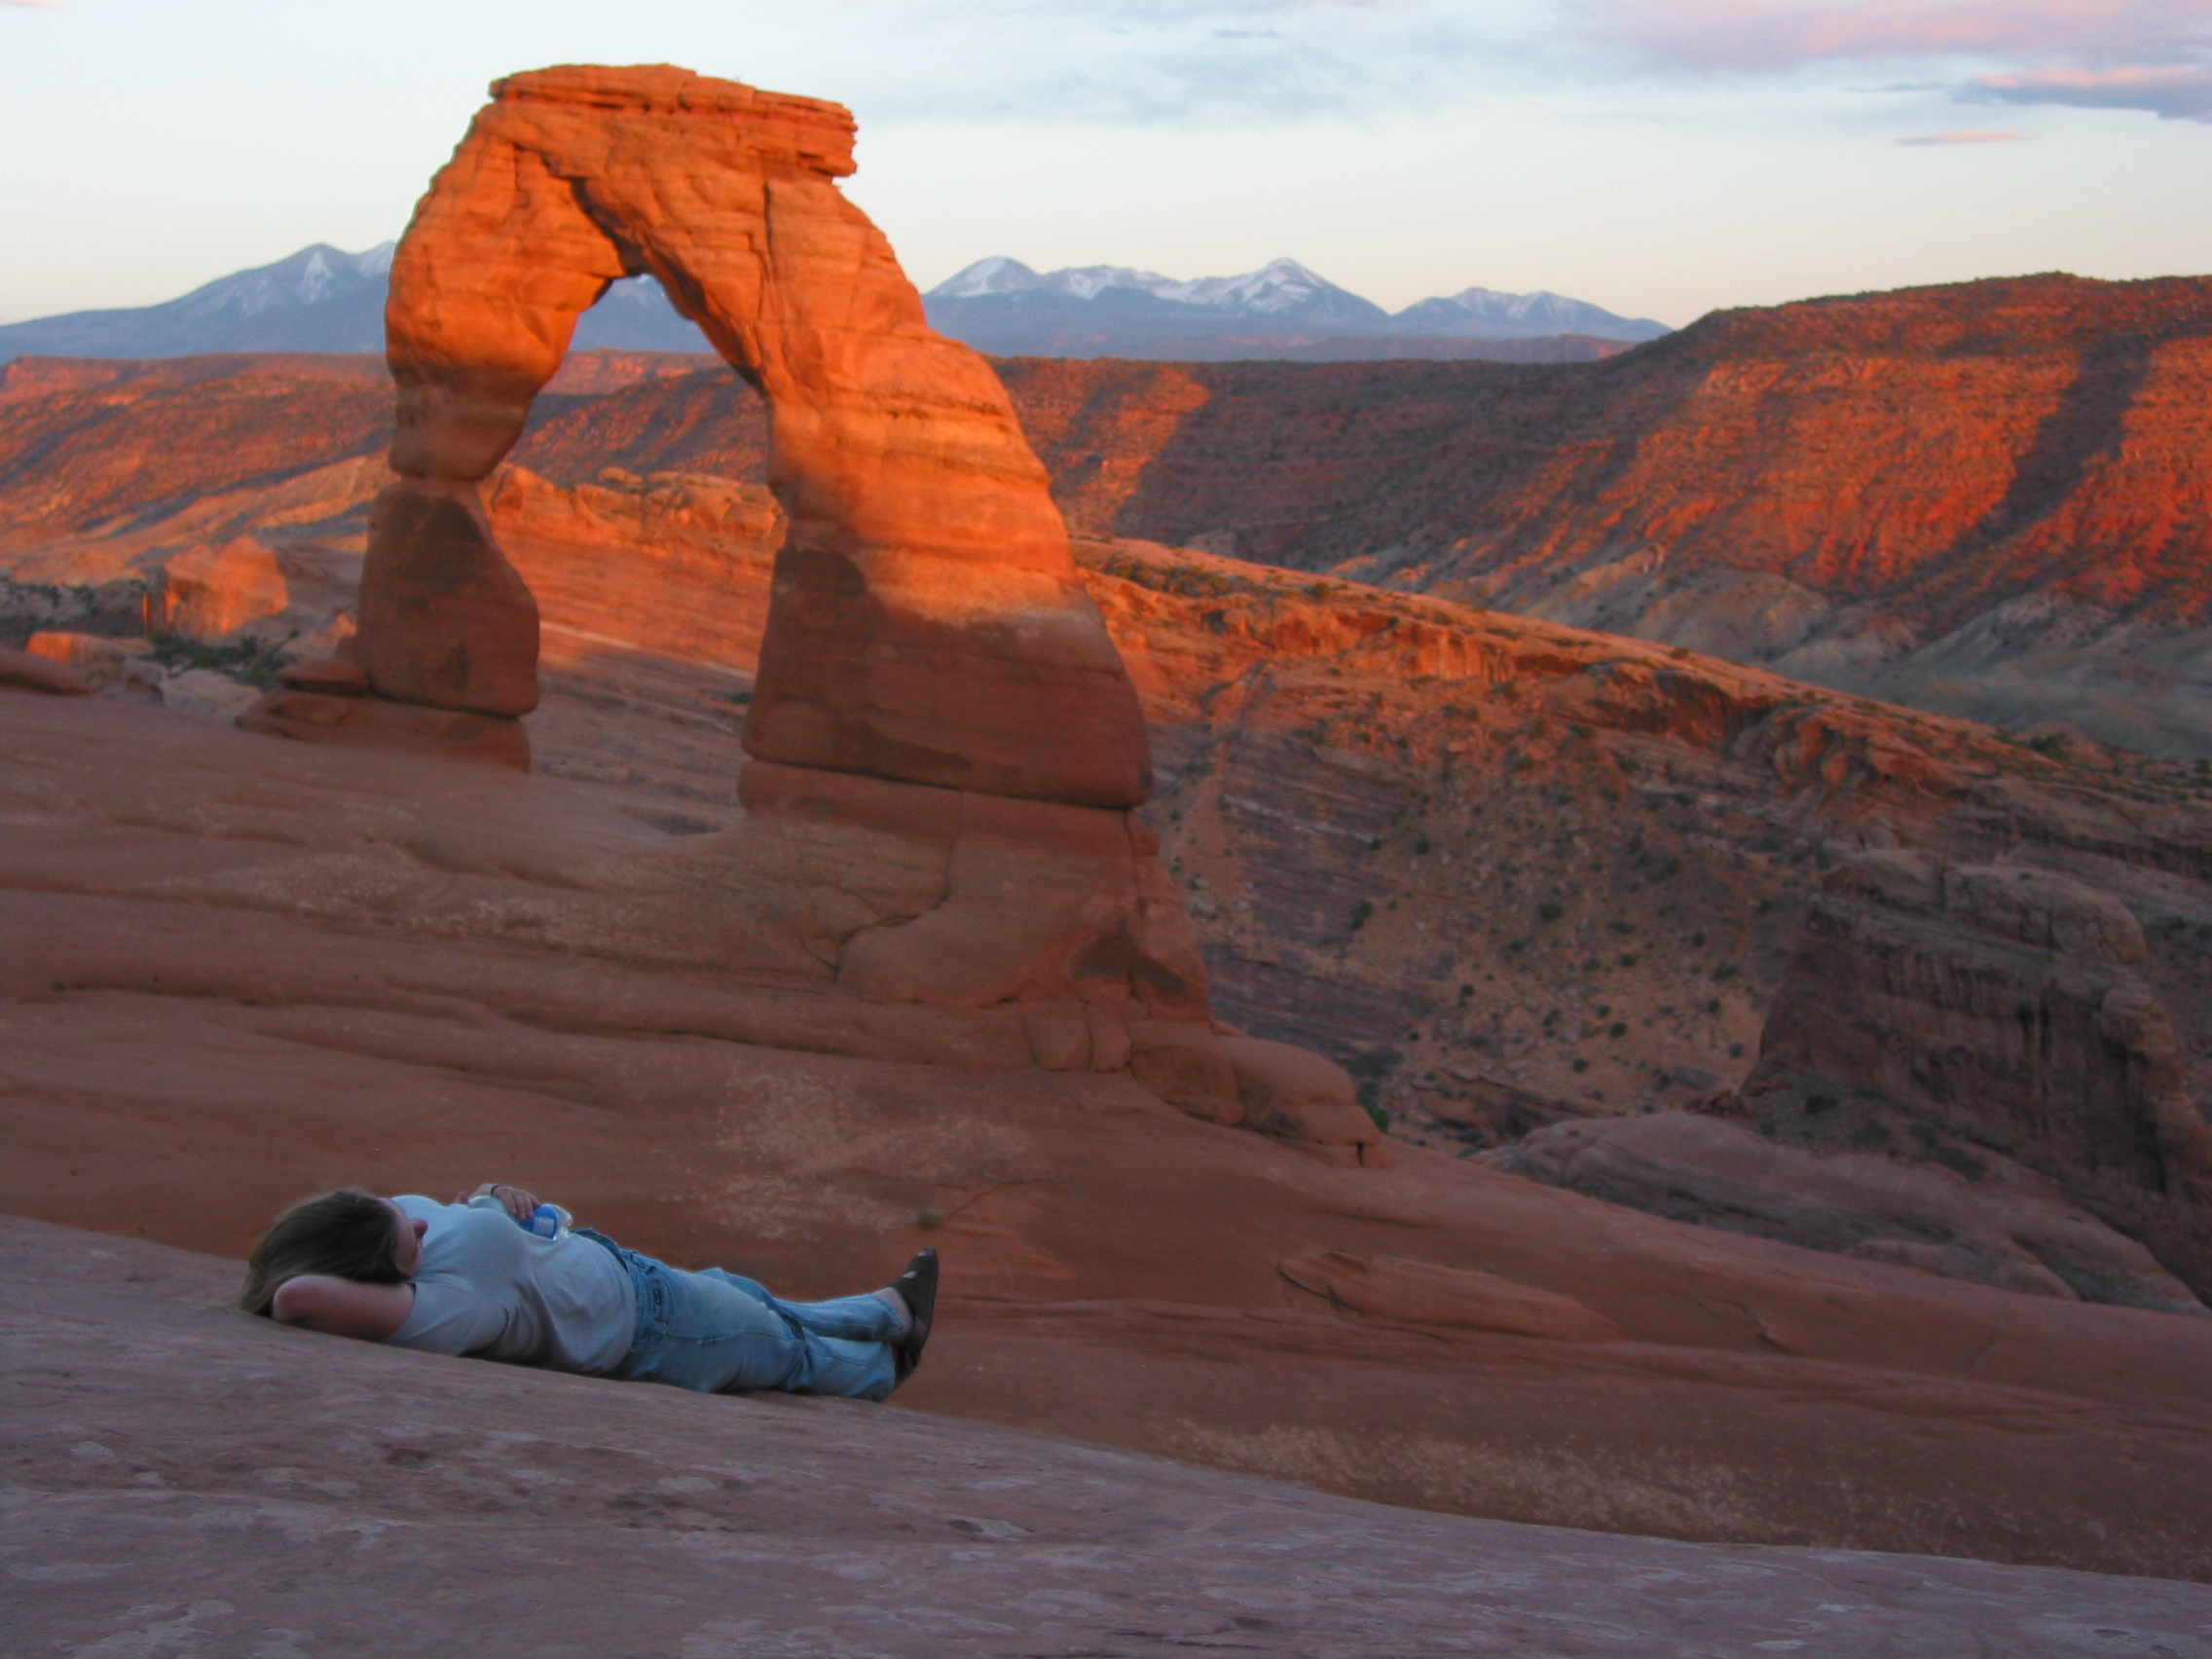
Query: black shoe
917, 1289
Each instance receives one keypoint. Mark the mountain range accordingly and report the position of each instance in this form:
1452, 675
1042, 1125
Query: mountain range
1000, 304
322, 299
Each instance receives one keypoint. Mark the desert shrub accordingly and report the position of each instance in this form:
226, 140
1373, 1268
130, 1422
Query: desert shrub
1369, 1070
253, 661
1550, 910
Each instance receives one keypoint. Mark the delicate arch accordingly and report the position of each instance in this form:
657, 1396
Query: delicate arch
928, 624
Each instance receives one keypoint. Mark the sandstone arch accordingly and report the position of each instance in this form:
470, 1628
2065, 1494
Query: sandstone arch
945, 743
927, 626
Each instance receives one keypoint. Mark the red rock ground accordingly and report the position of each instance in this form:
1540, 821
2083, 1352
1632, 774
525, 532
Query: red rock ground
181, 1479
271, 971
243, 968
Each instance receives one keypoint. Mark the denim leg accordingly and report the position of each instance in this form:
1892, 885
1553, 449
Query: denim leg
864, 1318
714, 1331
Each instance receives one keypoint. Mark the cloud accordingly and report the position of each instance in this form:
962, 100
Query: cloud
2170, 92
1190, 61
1964, 137
1769, 36
41, 5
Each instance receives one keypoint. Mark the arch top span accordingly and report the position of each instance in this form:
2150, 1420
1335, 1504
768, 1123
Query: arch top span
927, 625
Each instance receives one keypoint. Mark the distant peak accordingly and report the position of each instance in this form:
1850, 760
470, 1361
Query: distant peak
996, 275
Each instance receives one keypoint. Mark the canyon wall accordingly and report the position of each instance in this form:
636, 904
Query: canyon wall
1987, 499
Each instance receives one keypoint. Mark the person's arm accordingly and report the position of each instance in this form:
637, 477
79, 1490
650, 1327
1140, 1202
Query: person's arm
520, 1204
344, 1307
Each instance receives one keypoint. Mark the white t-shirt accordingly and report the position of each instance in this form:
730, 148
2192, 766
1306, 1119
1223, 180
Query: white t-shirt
488, 1288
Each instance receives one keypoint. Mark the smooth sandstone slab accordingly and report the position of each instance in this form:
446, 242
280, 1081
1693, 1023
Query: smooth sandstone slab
183, 1478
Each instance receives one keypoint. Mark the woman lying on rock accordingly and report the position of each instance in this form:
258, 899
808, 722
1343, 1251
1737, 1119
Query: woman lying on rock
472, 1277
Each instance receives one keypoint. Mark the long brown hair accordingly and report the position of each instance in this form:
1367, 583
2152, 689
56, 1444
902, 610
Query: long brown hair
349, 1234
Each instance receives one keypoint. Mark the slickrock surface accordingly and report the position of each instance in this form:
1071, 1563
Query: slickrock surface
927, 625
242, 969
1359, 835
182, 1479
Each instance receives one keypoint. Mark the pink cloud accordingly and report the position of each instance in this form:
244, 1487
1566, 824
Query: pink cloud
1770, 35
2172, 92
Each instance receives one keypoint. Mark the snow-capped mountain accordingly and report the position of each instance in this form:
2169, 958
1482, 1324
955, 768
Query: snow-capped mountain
1091, 311
1001, 305
1484, 313
322, 299
1282, 285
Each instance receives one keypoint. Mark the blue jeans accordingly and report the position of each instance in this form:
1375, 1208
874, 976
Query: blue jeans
717, 1333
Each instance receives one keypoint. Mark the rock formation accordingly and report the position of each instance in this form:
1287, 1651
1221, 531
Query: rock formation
928, 626
1999, 1224
1985, 499
933, 677
1998, 1004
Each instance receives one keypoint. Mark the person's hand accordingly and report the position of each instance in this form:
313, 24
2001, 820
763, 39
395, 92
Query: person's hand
520, 1204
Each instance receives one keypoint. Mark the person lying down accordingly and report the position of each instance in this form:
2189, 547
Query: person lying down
479, 1276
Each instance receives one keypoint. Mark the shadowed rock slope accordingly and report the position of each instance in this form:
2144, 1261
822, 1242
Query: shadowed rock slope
245, 969
377, 1500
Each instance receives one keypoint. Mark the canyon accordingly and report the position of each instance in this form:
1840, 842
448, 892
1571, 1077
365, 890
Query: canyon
1985, 499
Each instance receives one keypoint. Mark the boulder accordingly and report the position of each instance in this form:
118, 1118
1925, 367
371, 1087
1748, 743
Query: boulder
101, 660
204, 692
215, 592
333, 677
1301, 1097
248, 588
25, 671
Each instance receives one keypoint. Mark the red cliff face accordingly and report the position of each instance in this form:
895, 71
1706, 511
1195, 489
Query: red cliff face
1934, 448
1990, 499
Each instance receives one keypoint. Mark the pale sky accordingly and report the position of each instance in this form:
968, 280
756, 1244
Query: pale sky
1660, 158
